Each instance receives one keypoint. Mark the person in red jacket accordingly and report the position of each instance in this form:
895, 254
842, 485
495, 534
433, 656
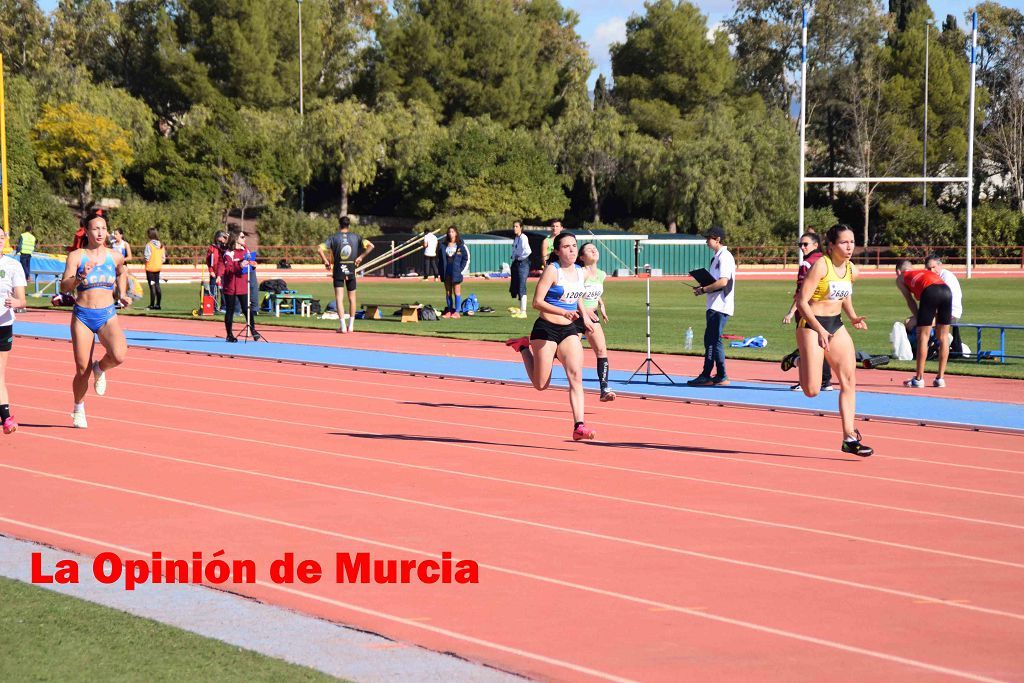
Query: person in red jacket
933, 304
810, 247
214, 254
232, 277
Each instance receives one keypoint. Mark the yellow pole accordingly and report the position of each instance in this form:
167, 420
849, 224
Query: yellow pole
3, 148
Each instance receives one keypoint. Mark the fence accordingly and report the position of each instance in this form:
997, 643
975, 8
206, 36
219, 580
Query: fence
767, 255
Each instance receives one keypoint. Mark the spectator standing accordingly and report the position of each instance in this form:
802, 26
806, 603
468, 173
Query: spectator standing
12, 298
430, 256
721, 304
27, 247
252, 254
214, 254
232, 275
934, 264
549, 241
454, 257
343, 246
520, 270
155, 254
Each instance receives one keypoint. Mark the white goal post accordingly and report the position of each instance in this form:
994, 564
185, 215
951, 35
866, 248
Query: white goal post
968, 179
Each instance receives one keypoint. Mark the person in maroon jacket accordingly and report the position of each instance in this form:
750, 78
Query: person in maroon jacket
810, 247
232, 278
214, 254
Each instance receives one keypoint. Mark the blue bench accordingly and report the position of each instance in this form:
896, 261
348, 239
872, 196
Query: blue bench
1001, 354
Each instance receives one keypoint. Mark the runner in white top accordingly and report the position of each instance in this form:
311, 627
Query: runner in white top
12, 296
593, 307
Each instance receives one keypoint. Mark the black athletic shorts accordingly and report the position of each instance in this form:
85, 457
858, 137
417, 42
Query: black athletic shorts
581, 328
542, 329
345, 276
936, 306
6, 337
831, 323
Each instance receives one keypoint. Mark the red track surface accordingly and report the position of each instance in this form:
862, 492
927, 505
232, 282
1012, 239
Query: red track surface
691, 542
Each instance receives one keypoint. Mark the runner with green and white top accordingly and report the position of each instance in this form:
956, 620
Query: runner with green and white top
593, 305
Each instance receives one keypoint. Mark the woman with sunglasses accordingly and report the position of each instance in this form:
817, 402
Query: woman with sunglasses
92, 272
559, 301
810, 247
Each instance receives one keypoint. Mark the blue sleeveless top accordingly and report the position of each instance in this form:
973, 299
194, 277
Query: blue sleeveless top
563, 294
102, 276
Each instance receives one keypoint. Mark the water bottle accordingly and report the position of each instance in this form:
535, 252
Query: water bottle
688, 344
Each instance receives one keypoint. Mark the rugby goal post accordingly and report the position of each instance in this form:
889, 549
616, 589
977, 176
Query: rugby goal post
968, 179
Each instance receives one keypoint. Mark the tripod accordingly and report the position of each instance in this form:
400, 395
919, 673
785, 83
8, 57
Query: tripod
250, 302
648, 363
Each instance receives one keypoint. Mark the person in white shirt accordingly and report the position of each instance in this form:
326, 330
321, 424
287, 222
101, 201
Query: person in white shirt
12, 296
721, 303
520, 270
934, 264
430, 256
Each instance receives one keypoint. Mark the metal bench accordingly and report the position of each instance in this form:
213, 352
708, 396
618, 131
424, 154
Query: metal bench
1001, 353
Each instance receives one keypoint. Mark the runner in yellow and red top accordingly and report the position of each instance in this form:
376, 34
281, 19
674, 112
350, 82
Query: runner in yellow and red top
936, 306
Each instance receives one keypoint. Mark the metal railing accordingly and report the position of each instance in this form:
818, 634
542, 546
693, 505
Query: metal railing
768, 255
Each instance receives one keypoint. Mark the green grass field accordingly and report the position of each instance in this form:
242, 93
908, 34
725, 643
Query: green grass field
45, 636
760, 306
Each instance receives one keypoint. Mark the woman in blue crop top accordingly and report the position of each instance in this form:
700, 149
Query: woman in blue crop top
92, 273
559, 301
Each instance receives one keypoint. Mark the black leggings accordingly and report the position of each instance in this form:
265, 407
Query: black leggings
242, 300
153, 280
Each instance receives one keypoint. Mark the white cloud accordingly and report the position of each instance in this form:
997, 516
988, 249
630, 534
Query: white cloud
610, 31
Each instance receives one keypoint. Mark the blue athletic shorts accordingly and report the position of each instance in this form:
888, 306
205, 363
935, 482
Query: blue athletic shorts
94, 318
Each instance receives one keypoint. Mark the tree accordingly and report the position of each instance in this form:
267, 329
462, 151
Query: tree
348, 141
23, 32
767, 40
879, 144
668, 63
591, 139
513, 61
482, 168
81, 148
81, 35
1003, 137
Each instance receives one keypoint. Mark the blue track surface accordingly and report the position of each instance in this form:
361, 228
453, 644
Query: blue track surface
757, 394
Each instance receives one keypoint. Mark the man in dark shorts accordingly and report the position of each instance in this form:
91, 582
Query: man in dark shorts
343, 246
933, 306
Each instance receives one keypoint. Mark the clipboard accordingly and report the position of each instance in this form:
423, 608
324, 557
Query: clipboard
703, 277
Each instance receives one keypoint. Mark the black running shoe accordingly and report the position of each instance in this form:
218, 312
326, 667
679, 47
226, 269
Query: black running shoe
789, 361
231, 339
857, 448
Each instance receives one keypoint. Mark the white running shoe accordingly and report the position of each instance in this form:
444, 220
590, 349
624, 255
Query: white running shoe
100, 385
351, 323
78, 419
342, 327
938, 383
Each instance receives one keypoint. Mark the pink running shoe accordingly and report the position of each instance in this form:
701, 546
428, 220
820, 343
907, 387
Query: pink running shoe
519, 343
583, 433
456, 315
446, 314
10, 426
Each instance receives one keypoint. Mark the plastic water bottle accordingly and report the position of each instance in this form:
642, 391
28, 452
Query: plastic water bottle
688, 344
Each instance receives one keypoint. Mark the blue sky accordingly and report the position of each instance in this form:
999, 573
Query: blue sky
603, 22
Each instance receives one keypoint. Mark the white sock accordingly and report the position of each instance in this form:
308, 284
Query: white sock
850, 439
522, 303
80, 407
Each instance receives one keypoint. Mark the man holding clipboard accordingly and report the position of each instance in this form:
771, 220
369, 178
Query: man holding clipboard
718, 283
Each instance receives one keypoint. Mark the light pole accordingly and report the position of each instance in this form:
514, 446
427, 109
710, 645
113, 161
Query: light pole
302, 113
924, 186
